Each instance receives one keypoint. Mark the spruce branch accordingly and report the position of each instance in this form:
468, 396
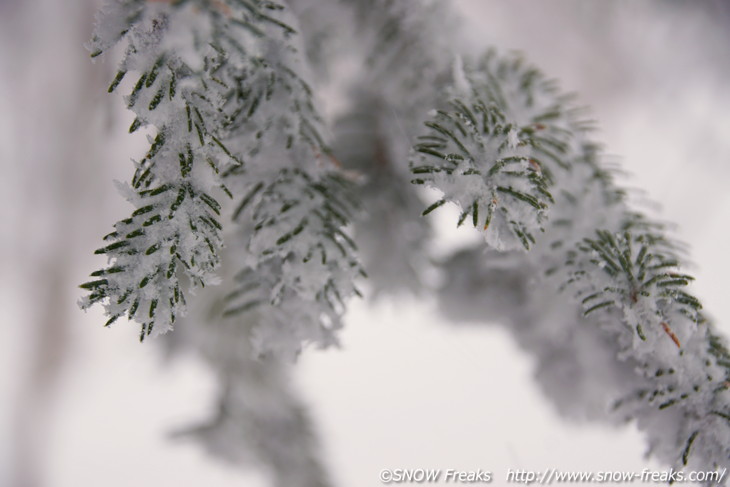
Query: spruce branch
482, 162
392, 239
214, 79
301, 264
240, 152
617, 266
258, 419
373, 136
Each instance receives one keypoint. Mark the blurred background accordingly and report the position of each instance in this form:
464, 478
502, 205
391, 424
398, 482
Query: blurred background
81, 405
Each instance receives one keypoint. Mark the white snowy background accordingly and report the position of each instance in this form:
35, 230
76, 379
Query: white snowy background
408, 389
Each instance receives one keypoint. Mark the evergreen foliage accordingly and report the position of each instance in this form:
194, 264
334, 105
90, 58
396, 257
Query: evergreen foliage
239, 153
234, 118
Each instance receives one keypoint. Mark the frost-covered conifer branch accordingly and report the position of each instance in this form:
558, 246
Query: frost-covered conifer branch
224, 86
258, 420
301, 264
391, 238
452, 157
238, 119
259, 423
239, 152
619, 268
373, 136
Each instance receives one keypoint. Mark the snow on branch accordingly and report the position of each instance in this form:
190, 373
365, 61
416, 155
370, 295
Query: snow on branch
224, 86
239, 152
617, 267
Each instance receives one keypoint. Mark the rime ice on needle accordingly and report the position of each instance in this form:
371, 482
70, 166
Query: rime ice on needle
660, 361
237, 136
493, 150
237, 152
